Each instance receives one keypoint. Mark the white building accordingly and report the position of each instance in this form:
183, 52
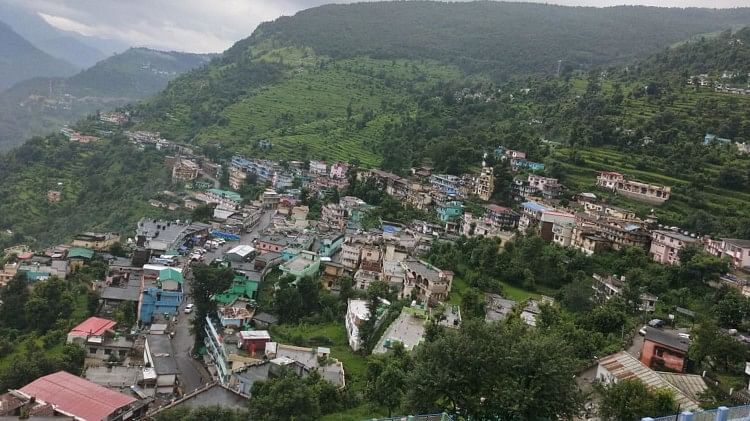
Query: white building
356, 314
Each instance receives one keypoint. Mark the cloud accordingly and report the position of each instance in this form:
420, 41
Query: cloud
214, 25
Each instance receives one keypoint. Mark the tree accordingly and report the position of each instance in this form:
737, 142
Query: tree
389, 387
630, 399
49, 302
697, 266
203, 213
472, 304
731, 309
459, 370
286, 398
14, 296
716, 348
206, 282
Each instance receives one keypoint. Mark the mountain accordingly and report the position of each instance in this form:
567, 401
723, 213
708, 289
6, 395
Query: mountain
483, 39
80, 50
498, 38
20, 60
324, 85
41, 105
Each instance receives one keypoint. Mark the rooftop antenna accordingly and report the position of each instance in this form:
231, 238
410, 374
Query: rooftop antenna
559, 67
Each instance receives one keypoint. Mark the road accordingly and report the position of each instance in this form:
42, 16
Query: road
192, 372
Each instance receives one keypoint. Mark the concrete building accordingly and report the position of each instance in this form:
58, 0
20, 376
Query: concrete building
644, 192
240, 253
484, 184
305, 264
185, 170
666, 246
433, 285
159, 364
664, 351
96, 241
736, 250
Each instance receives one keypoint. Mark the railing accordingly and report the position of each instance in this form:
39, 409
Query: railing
430, 417
722, 413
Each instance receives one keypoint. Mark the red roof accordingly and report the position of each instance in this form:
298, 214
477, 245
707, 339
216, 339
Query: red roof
93, 326
77, 397
497, 209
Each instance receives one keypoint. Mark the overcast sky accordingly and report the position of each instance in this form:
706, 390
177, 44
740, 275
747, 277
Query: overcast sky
214, 25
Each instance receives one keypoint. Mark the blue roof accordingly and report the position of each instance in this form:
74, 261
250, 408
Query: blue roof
533, 206
390, 229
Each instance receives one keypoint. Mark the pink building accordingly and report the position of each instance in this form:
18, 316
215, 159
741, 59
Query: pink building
339, 170
666, 246
736, 250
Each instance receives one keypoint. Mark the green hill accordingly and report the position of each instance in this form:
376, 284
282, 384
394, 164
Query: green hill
41, 105
19, 60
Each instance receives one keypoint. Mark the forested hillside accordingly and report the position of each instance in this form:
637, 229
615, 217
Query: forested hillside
727, 52
19, 60
42, 105
497, 38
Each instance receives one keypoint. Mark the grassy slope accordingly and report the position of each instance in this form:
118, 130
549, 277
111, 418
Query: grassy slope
305, 114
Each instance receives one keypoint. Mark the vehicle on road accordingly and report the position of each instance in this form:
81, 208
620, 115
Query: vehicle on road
657, 323
642, 332
189, 308
684, 335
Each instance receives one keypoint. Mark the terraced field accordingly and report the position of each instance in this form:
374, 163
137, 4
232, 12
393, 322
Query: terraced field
334, 111
683, 202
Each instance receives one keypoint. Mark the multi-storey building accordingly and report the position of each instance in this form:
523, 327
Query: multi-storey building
649, 193
620, 233
484, 185
736, 250
502, 217
447, 184
185, 170
433, 285
666, 246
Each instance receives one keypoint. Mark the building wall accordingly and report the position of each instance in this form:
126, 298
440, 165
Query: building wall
669, 360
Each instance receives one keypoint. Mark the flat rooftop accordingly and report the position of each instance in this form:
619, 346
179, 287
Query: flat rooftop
407, 329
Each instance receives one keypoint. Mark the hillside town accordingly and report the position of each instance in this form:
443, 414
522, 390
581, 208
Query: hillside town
155, 364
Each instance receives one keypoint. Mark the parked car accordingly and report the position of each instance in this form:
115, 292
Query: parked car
189, 308
642, 332
684, 335
657, 323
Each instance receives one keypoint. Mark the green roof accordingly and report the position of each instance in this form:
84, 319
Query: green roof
241, 288
80, 252
234, 196
170, 275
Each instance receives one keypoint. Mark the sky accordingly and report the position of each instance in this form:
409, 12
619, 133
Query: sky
214, 25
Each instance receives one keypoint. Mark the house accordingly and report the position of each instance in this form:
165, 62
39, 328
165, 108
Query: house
623, 366
666, 246
619, 233
185, 170
312, 359
99, 339
96, 241
351, 251
408, 330
274, 243
223, 199
64, 395
319, 168
636, 190
54, 196
606, 287
664, 350
449, 185
736, 250
712, 139
212, 394
363, 278
241, 253
160, 295
339, 170
555, 224
160, 369
450, 211
433, 285
330, 245
550, 188
79, 256
305, 264
502, 217
497, 307
242, 288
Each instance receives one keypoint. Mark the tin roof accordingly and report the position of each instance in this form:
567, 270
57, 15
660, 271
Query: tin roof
93, 326
78, 397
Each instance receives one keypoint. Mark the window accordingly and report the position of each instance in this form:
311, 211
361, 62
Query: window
107, 352
92, 350
659, 352
122, 353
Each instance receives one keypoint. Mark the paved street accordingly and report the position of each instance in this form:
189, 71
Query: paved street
193, 374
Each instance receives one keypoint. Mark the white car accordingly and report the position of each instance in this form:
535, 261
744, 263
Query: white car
189, 308
685, 335
642, 332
